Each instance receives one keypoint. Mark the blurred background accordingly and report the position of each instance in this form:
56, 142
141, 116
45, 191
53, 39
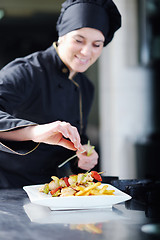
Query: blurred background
124, 123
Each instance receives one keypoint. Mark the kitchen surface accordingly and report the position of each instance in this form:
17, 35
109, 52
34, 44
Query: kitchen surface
138, 218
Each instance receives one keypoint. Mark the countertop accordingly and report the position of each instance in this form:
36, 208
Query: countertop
21, 219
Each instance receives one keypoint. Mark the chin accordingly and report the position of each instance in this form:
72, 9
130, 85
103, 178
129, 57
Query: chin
81, 70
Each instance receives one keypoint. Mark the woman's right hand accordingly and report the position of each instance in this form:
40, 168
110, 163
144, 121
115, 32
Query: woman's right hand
56, 133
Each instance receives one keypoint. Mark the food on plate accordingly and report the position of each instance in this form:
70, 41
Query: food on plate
82, 184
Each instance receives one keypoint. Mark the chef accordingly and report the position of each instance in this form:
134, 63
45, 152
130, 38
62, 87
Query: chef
45, 98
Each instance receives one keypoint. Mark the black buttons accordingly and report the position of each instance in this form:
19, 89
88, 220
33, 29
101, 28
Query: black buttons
60, 86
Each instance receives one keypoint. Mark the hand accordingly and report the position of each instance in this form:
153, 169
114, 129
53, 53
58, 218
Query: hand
87, 162
57, 133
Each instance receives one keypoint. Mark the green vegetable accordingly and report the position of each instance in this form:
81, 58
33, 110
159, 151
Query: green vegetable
89, 152
46, 188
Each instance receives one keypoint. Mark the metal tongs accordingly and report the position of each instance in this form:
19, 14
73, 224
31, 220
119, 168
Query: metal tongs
88, 154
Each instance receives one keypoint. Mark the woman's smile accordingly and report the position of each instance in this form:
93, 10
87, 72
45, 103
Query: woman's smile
82, 61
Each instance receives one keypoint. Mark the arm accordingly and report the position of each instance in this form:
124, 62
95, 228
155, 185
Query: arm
56, 133
16, 89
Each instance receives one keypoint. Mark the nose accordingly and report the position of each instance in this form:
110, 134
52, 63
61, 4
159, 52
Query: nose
86, 50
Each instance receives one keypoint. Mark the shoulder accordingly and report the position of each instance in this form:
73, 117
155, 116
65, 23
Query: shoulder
41, 58
35, 59
25, 68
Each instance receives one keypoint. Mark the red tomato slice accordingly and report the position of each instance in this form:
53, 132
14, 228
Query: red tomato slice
66, 181
96, 176
54, 190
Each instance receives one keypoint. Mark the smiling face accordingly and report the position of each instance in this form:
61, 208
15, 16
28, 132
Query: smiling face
79, 49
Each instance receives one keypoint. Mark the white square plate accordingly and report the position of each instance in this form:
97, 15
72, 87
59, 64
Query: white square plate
75, 202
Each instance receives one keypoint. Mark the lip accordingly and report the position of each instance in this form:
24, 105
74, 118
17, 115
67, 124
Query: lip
82, 61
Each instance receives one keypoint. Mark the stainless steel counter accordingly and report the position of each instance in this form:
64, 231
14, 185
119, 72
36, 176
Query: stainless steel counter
21, 219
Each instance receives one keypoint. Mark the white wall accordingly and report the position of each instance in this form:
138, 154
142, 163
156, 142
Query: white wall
124, 98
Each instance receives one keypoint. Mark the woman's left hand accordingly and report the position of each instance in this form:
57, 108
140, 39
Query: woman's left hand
87, 162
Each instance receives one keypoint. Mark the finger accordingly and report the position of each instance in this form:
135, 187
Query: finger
86, 167
61, 127
67, 144
70, 132
74, 136
87, 163
91, 162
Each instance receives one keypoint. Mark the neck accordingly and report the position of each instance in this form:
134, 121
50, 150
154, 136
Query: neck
72, 73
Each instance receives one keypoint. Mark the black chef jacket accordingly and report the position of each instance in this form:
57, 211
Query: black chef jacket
36, 90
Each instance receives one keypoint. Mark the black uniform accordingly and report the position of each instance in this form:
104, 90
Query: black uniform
36, 89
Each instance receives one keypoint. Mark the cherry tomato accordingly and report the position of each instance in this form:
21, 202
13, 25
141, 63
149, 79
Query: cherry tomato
96, 176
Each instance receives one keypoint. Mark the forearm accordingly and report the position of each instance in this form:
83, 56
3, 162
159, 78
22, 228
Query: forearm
21, 134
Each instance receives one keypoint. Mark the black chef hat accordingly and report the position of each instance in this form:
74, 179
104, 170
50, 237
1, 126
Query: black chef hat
99, 14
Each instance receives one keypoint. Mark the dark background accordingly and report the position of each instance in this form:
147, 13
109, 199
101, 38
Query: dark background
20, 36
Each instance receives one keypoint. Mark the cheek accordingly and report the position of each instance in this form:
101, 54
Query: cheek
96, 53
71, 51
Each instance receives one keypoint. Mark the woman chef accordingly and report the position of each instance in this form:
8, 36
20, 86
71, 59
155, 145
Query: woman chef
45, 98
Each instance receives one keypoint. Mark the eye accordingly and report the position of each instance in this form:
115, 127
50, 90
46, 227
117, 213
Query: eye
97, 45
78, 40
